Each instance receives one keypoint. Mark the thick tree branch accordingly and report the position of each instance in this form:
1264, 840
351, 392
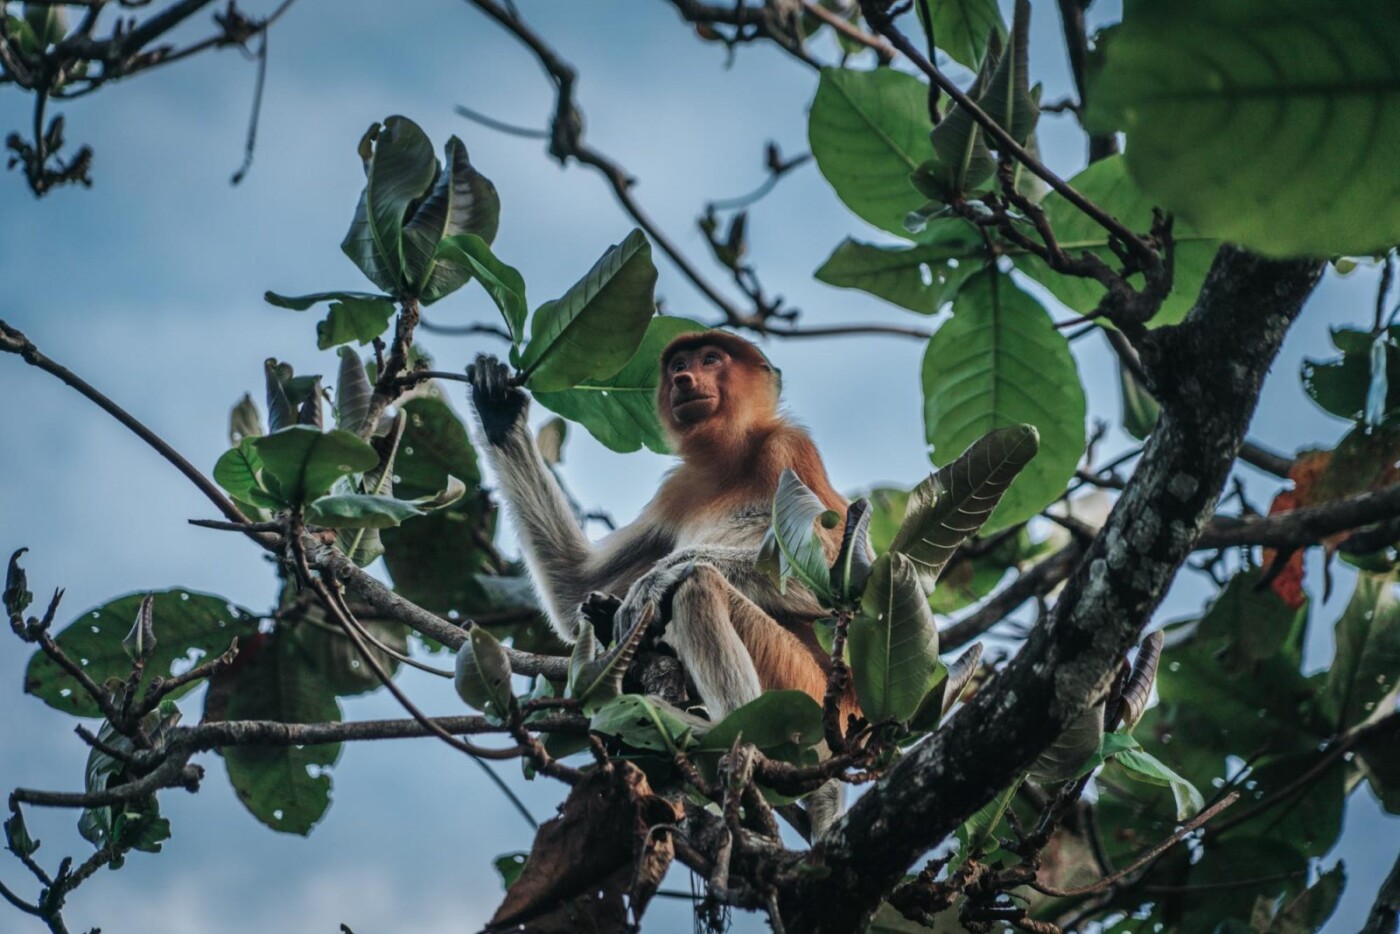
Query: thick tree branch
1217, 359
1306, 526
1385, 913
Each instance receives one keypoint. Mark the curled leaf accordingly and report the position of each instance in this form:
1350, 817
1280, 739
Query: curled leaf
483, 674
141, 641
1139, 687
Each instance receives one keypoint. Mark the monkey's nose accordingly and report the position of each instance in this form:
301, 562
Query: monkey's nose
684, 381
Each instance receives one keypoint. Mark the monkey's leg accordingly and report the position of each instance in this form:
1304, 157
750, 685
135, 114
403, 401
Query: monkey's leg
732, 649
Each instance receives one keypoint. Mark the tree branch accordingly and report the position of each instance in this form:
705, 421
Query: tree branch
1306, 526
1221, 352
13, 341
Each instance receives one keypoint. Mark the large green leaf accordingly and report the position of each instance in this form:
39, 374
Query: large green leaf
462, 201
784, 725
433, 559
300, 463
952, 504
642, 723
1108, 185
1279, 133
620, 411
921, 278
868, 130
188, 626
1000, 362
792, 547
399, 167
1366, 669
237, 470
893, 643
503, 283
288, 788
1145, 767
593, 329
961, 27
1309, 911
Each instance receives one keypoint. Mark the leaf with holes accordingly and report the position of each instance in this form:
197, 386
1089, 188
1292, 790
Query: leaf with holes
192, 626
868, 130
1000, 363
643, 723
288, 788
954, 503
593, 329
1279, 134
893, 642
620, 411
921, 278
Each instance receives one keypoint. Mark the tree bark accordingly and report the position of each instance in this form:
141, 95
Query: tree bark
1206, 372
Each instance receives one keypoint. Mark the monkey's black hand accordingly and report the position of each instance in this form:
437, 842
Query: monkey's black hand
500, 405
600, 609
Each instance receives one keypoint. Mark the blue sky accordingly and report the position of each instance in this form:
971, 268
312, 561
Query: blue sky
150, 286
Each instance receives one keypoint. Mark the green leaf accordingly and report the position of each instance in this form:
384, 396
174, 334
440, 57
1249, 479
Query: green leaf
17, 838
948, 691
642, 723
17, 596
593, 329
792, 546
921, 278
620, 411
503, 283
509, 866
978, 834
285, 787
1075, 751
192, 626
361, 321
305, 302
596, 680
433, 560
1366, 669
238, 468
1144, 767
784, 725
483, 674
360, 511
853, 560
868, 130
462, 201
140, 642
952, 504
287, 394
399, 168
893, 642
1108, 184
1139, 408
1378, 758
961, 28
300, 463
997, 363
353, 392
1287, 113
1340, 386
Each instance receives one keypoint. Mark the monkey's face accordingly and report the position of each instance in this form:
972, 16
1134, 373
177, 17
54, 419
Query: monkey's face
697, 380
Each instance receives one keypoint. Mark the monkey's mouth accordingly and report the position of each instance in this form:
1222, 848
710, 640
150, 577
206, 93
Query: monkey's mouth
691, 406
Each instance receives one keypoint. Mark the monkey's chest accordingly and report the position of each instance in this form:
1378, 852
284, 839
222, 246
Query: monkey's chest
741, 528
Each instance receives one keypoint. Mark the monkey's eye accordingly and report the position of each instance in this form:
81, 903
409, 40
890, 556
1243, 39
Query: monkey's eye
677, 365
711, 357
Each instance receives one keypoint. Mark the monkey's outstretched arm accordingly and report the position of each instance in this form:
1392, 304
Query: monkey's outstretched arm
563, 564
